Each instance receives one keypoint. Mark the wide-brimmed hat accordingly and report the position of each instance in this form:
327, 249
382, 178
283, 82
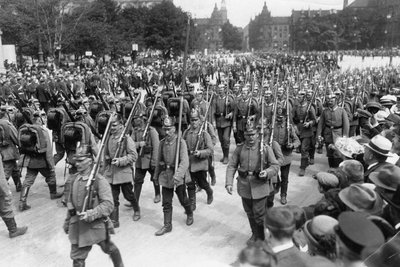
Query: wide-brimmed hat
388, 177
319, 226
357, 232
380, 145
348, 147
373, 105
360, 197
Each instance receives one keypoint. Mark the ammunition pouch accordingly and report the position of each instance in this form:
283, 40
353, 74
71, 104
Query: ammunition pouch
72, 212
245, 174
147, 149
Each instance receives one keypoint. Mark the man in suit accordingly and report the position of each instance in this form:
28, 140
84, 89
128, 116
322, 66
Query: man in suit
376, 154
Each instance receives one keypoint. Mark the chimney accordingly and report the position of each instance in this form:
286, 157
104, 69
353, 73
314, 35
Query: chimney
345, 3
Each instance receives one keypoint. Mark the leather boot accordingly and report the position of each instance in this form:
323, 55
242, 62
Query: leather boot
157, 197
210, 196
253, 227
331, 162
167, 224
17, 182
22, 201
114, 216
226, 155
303, 166
13, 230
116, 258
53, 192
189, 215
192, 198
211, 171
260, 232
137, 190
136, 214
78, 263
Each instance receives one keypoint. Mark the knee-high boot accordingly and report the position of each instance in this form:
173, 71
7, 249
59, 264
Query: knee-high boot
192, 198
116, 258
253, 227
114, 216
137, 190
53, 192
157, 197
210, 196
78, 263
22, 201
167, 227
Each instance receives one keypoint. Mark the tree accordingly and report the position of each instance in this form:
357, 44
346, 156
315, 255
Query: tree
231, 37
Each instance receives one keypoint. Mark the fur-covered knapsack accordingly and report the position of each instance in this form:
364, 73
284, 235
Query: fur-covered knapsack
31, 139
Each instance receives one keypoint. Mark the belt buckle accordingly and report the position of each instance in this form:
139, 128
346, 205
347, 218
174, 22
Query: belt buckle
250, 173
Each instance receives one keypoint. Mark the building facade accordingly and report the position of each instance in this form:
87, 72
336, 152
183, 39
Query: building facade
209, 30
139, 3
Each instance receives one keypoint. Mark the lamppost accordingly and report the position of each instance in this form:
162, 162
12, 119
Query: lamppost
336, 38
389, 22
307, 41
2, 69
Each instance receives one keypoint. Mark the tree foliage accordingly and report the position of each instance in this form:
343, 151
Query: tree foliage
100, 26
231, 37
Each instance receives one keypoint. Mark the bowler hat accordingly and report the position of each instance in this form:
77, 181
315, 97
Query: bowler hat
357, 232
360, 197
388, 177
380, 145
319, 226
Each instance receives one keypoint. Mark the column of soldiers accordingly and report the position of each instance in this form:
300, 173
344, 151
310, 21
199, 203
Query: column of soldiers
268, 118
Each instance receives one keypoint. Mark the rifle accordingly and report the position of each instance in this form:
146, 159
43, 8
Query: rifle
309, 105
146, 129
126, 128
262, 134
178, 139
203, 125
106, 106
92, 176
271, 138
251, 97
287, 117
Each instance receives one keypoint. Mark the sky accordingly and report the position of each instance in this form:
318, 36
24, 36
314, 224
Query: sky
240, 11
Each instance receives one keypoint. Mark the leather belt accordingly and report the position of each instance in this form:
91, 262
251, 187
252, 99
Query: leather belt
335, 127
248, 173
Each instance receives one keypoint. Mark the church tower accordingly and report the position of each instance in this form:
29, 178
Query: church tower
224, 12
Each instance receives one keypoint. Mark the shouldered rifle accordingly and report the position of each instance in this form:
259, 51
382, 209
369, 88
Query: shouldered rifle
271, 137
309, 105
106, 106
203, 124
126, 128
95, 168
251, 96
178, 139
289, 142
262, 134
146, 129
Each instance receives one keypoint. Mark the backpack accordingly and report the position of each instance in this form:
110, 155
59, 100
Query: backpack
95, 108
74, 132
5, 139
31, 139
55, 119
20, 118
101, 121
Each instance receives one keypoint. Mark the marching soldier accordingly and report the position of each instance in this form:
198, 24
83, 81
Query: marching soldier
304, 117
8, 146
89, 227
119, 168
254, 181
333, 123
200, 147
353, 104
148, 152
169, 179
242, 112
223, 115
37, 156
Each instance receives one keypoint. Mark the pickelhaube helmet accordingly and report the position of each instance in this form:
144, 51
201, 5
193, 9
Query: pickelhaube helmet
82, 152
168, 122
250, 127
194, 114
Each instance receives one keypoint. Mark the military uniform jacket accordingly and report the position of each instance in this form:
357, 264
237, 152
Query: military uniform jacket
353, 106
220, 110
241, 112
10, 152
247, 159
165, 166
123, 173
281, 137
205, 148
300, 117
84, 233
333, 123
148, 158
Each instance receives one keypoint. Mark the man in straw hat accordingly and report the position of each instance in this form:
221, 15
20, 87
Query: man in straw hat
376, 154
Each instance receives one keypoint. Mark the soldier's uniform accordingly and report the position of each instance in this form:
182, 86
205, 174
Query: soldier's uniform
166, 176
353, 104
223, 121
333, 123
36, 163
148, 151
240, 116
200, 148
305, 123
119, 174
252, 186
92, 228
8, 148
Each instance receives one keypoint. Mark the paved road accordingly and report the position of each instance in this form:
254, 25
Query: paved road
219, 232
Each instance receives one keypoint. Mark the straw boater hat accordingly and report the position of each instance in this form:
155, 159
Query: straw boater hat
380, 145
